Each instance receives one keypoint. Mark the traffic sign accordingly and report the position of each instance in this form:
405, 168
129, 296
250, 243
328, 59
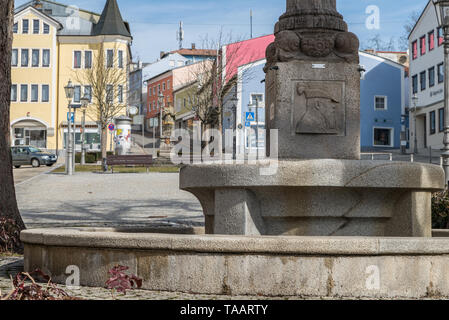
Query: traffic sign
250, 117
247, 124
111, 127
71, 116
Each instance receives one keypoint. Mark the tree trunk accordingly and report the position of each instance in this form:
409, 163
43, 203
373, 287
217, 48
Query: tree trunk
104, 147
8, 203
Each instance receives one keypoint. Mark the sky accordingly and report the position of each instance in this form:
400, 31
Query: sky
154, 23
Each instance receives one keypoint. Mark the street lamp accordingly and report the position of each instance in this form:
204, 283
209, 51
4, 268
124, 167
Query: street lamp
84, 103
442, 11
69, 92
414, 110
160, 100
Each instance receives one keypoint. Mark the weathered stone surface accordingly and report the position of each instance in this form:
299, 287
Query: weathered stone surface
269, 266
317, 198
315, 110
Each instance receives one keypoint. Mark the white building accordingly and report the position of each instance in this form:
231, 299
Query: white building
426, 81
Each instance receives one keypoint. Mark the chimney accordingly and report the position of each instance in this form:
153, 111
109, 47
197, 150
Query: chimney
37, 4
162, 54
193, 46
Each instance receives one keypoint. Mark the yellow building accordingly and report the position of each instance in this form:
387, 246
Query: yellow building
54, 43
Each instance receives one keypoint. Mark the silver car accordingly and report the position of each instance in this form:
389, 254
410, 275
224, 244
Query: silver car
26, 155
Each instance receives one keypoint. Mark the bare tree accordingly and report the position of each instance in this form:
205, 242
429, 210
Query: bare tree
211, 82
8, 203
108, 84
408, 27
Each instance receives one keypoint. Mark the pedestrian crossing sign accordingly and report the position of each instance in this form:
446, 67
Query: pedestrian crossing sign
250, 117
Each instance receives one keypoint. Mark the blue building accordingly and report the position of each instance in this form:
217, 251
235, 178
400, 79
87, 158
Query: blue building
382, 105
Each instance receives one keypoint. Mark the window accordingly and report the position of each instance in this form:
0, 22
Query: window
87, 59
441, 119
422, 77
15, 57
415, 83
35, 58
25, 26
440, 36
15, 28
36, 26
45, 58
77, 59
120, 94
431, 40
433, 119
441, 73
77, 94
88, 92
110, 94
431, 77
256, 98
422, 45
34, 93
168, 84
110, 58
46, 29
120, 59
163, 86
45, 93
24, 58
154, 91
415, 50
23, 93
14, 92
382, 137
380, 103
158, 89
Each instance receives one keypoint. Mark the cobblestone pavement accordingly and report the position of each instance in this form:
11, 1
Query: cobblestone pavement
13, 265
107, 200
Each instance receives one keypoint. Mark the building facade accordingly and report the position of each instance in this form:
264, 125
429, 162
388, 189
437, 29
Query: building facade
382, 102
52, 44
426, 82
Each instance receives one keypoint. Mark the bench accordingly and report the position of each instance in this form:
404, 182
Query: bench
129, 160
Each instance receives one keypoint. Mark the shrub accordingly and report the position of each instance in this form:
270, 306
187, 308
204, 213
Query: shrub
440, 210
10, 236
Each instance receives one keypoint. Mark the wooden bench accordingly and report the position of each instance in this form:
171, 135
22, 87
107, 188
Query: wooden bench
129, 160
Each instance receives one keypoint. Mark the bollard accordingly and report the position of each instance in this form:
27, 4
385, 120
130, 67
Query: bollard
441, 162
412, 158
391, 157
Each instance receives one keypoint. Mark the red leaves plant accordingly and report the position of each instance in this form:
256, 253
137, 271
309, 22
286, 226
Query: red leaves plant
25, 287
120, 281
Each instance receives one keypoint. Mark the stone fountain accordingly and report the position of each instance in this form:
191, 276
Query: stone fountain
323, 224
321, 188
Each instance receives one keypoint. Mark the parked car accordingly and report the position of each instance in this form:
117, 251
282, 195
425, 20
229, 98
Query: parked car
26, 155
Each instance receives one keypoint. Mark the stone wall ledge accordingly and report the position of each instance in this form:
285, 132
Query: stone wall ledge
216, 244
315, 173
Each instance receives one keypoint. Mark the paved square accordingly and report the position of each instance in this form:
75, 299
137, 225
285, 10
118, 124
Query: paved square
89, 199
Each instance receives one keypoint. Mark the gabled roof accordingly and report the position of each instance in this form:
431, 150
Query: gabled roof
111, 21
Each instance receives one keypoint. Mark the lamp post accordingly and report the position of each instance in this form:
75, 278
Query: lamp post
415, 101
69, 91
84, 103
442, 11
160, 100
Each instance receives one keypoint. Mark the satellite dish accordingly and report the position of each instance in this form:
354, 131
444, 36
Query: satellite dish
133, 110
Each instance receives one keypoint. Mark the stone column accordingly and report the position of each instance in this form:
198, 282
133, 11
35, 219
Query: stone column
313, 83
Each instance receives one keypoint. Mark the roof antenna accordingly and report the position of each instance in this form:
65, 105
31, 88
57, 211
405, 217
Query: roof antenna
180, 35
251, 21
